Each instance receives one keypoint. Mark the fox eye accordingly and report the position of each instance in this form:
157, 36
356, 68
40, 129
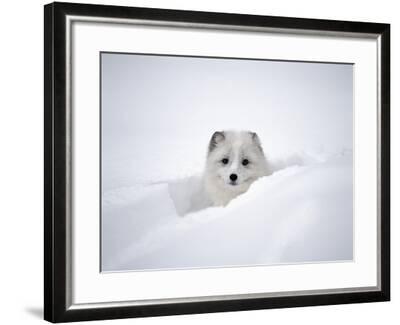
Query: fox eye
225, 161
245, 162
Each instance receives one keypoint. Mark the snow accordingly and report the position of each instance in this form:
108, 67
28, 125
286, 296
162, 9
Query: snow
158, 114
302, 213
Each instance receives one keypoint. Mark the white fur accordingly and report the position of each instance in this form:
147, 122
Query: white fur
235, 146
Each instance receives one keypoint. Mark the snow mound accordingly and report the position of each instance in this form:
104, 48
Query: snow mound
301, 213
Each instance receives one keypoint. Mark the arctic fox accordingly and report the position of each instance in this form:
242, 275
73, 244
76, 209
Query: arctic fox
235, 160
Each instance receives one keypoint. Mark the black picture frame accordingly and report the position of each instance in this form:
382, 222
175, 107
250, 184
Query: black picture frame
56, 161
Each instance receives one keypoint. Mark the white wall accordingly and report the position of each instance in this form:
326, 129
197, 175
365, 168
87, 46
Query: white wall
21, 137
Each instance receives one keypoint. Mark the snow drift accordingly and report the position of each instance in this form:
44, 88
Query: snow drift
302, 213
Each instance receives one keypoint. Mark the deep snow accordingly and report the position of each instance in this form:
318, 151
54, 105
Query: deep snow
158, 114
301, 213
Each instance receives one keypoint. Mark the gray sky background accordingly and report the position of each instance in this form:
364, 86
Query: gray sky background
164, 109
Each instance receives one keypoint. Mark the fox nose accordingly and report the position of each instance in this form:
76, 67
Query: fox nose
233, 177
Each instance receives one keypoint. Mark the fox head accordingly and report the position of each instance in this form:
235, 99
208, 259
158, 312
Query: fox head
235, 160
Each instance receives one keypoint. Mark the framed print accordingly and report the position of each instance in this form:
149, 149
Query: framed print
202, 162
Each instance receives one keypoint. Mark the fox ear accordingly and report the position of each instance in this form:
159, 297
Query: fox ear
216, 138
256, 140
